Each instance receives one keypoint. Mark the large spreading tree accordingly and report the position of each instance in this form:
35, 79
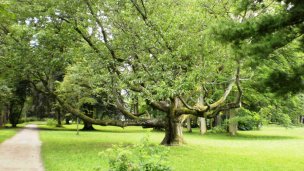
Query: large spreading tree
136, 56
156, 54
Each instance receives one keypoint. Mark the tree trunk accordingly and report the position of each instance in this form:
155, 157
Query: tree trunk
88, 109
2, 115
202, 125
232, 125
14, 114
67, 121
189, 124
59, 118
87, 126
174, 129
173, 134
217, 120
1, 118
135, 105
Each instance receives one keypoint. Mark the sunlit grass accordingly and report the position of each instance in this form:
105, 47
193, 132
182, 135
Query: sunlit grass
272, 148
8, 132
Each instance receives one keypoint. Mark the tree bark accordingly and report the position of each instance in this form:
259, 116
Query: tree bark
1, 117
174, 129
232, 125
217, 120
173, 134
14, 114
87, 126
58, 118
67, 121
189, 124
202, 124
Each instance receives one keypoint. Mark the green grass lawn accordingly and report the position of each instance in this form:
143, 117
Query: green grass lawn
8, 132
272, 148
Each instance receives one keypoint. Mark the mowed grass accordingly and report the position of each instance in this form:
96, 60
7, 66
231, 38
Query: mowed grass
6, 133
272, 148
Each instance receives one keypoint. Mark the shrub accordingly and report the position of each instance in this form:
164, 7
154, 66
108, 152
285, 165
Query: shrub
276, 115
248, 120
51, 122
218, 129
28, 119
140, 157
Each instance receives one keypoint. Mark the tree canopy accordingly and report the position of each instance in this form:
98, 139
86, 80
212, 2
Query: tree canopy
133, 57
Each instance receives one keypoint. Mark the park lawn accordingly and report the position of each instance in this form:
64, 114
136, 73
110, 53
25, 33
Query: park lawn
6, 133
272, 148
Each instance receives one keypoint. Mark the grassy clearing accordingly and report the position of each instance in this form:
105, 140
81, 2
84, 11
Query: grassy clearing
272, 148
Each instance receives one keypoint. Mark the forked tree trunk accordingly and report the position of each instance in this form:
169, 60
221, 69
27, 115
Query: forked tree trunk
202, 125
173, 134
174, 129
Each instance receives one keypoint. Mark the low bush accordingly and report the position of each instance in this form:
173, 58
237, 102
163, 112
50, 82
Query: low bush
248, 120
51, 122
28, 119
218, 129
140, 157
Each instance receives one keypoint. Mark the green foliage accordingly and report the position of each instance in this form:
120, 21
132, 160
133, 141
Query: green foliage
259, 29
28, 119
5, 92
51, 122
282, 118
275, 115
219, 129
248, 120
141, 157
293, 81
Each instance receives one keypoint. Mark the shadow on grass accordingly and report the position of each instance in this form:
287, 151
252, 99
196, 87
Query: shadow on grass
226, 136
96, 130
10, 127
264, 137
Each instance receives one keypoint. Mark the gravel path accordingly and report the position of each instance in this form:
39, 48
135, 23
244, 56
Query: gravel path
22, 152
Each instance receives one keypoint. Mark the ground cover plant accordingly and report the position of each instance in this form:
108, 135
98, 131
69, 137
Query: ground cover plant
271, 148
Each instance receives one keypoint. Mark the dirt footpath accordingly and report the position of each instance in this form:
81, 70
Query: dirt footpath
22, 152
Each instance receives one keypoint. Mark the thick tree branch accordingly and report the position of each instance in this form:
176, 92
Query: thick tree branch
138, 122
200, 110
103, 32
185, 103
124, 111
